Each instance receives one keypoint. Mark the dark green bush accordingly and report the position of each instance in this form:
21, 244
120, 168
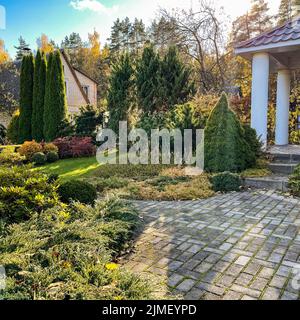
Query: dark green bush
226, 148
23, 192
3, 133
77, 190
39, 158
226, 182
52, 157
294, 182
53, 177
13, 128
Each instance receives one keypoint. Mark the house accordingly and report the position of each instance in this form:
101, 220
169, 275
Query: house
80, 88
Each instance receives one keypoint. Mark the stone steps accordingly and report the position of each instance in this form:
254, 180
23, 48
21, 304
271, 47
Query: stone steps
274, 182
282, 168
283, 163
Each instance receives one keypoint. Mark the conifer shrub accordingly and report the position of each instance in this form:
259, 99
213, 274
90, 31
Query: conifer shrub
39, 158
226, 148
26, 95
9, 157
29, 148
39, 85
226, 182
13, 128
24, 192
52, 157
49, 147
253, 141
3, 133
55, 105
294, 182
76, 190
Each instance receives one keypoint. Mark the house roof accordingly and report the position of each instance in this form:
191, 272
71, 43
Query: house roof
288, 33
87, 100
85, 74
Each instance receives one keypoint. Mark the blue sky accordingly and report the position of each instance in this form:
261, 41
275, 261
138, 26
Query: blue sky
58, 18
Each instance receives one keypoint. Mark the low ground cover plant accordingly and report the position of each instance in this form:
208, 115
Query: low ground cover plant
226, 182
69, 252
24, 192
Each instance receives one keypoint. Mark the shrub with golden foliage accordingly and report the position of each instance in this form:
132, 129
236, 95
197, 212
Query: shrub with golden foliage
29, 148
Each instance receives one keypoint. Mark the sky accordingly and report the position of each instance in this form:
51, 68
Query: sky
58, 18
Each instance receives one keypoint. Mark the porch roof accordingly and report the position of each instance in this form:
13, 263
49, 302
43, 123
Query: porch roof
281, 42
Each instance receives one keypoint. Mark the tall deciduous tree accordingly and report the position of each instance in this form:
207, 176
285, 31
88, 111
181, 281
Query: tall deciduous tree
176, 87
38, 97
55, 109
148, 81
4, 56
22, 49
45, 45
120, 96
26, 95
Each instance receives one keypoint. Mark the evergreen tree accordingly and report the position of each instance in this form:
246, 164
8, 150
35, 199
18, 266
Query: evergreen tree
147, 81
287, 10
120, 96
55, 109
252, 23
176, 87
226, 148
38, 97
22, 49
26, 94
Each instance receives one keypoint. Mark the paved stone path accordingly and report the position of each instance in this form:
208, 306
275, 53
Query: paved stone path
233, 246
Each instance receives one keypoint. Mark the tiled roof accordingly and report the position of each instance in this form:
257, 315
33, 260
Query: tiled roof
288, 32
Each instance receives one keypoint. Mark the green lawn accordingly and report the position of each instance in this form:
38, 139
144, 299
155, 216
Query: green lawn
72, 168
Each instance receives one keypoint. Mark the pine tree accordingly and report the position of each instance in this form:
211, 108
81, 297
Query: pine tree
38, 97
26, 94
55, 108
120, 97
259, 16
225, 146
22, 49
252, 23
147, 81
176, 87
284, 13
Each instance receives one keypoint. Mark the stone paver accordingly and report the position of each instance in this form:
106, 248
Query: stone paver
232, 246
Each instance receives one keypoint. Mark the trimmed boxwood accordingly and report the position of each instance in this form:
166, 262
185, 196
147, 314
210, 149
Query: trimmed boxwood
52, 157
39, 158
76, 190
226, 182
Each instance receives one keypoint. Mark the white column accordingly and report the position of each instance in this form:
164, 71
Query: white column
260, 95
283, 107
